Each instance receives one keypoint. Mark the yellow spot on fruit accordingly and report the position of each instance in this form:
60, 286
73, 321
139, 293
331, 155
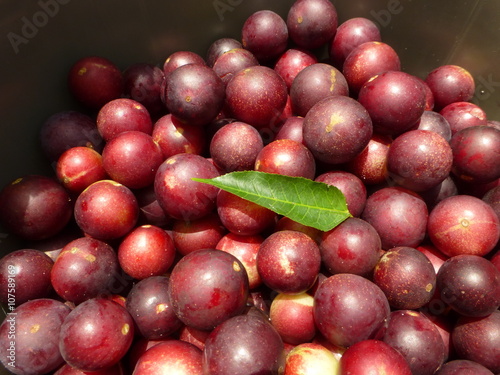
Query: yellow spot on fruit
17, 180
300, 19
74, 250
35, 328
91, 258
160, 308
188, 99
465, 223
333, 79
82, 71
334, 120
428, 287
236, 266
170, 161
125, 329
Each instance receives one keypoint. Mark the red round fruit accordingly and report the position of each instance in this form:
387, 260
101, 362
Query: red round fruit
289, 261
35, 207
463, 367
463, 224
231, 62
97, 320
291, 62
219, 47
94, 81
180, 58
435, 122
461, 115
106, 210
146, 251
207, 287
336, 129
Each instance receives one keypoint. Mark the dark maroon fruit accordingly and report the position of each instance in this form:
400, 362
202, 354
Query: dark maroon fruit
265, 34
35, 207
476, 154
249, 334
178, 194
419, 160
106, 210
96, 320
194, 94
291, 129
180, 58
312, 23
231, 62
292, 61
463, 367
25, 275
313, 83
349, 308
248, 99
461, 115
492, 197
413, 335
85, 268
286, 157
395, 101
470, 285
29, 337
207, 287
123, 114
67, 129
149, 305
478, 340
463, 224
449, 84
226, 148
435, 122
289, 262
399, 216
94, 81
351, 247
406, 276
336, 129
219, 47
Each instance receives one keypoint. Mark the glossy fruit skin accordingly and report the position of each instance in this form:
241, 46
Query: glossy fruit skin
175, 137
314, 83
171, 356
419, 160
476, 154
94, 81
352, 127
289, 262
395, 101
461, 115
179, 58
146, 251
231, 62
249, 333
350, 34
68, 370
194, 94
33, 334
226, 151
373, 357
132, 159
366, 61
398, 215
286, 157
463, 367
463, 224
66, 129
85, 268
96, 320
312, 23
351, 247
309, 359
223, 293
417, 339
349, 308
450, 83
470, 285
148, 302
484, 333
79, 167
29, 270
247, 98
292, 61
433, 121
35, 207
220, 46
120, 115
265, 34
98, 214
180, 196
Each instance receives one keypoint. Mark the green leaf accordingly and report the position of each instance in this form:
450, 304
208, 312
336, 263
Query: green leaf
308, 202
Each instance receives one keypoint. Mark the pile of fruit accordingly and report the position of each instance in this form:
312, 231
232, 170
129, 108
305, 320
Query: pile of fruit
138, 262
